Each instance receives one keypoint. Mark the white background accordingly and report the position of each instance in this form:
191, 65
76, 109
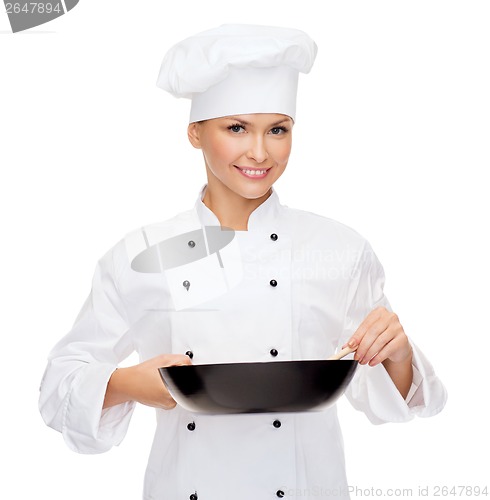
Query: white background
392, 138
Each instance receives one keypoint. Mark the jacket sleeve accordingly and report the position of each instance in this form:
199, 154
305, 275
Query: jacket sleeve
79, 367
372, 391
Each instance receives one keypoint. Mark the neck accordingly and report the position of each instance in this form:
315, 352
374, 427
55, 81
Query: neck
231, 209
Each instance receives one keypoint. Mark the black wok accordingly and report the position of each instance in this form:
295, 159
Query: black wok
280, 386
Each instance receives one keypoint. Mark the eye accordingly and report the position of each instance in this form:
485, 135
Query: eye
278, 130
236, 128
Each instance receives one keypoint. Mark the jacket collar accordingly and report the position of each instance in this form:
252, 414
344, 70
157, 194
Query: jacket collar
265, 215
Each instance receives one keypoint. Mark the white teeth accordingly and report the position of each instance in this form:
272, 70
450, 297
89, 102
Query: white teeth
254, 172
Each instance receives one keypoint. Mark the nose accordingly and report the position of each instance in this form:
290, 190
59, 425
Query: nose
257, 149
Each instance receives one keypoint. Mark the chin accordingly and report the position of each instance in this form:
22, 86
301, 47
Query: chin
253, 193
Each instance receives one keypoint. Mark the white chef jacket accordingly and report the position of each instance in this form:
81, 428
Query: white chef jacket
327, 279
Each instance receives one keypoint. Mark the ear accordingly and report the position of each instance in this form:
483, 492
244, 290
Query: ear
193, 133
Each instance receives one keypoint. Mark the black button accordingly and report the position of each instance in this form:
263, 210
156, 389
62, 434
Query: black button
276, 424
193, 496
190, 354
280, 493
274, 237
274, 352
186, 285
192, 244
273, 282
191, 426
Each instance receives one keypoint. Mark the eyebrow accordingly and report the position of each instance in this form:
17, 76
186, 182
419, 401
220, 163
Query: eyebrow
245, 122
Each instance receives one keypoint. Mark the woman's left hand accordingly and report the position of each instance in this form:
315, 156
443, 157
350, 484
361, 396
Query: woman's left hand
380, 337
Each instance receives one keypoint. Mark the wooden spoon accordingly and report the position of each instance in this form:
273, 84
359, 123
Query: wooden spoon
342, 353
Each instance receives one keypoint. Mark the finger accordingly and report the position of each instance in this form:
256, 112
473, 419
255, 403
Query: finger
175, 360
398, 350
393, 335
367, 348
386, 322
384, 353
363, 328
169, 406
383, 339
186, 360
180, 358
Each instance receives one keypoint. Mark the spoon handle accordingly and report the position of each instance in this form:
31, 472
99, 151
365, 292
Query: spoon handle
342, 353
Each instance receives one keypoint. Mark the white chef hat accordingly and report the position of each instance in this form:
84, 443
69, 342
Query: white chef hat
238, 69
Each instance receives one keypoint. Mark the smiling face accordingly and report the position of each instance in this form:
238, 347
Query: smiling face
244, 154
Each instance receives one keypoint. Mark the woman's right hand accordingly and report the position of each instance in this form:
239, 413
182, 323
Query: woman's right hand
142, 383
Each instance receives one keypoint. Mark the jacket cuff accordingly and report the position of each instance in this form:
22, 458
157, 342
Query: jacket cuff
87, 428
373, 392
427, 396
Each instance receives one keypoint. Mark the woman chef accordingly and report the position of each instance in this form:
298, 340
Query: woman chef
284, 284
